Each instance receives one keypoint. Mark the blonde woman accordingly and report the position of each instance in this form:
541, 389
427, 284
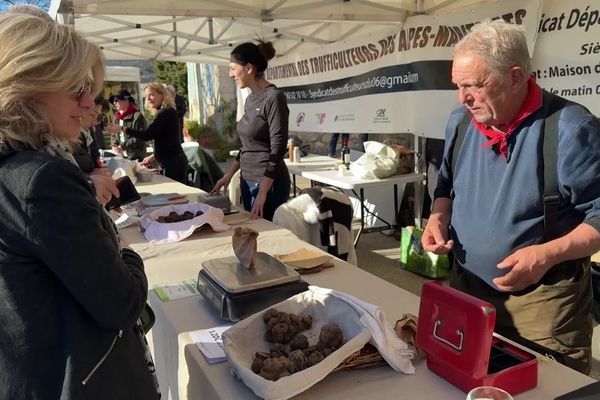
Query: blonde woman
71, 295
164, 130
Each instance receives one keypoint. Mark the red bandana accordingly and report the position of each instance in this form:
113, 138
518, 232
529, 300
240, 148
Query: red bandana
532, 103
130, 110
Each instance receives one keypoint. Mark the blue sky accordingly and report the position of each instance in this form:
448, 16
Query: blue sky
44, 4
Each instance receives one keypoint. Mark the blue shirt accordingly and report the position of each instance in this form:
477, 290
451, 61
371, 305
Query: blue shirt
497, 201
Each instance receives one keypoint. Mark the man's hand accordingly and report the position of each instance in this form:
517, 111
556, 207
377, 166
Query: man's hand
105, 187
435, 237
528, 265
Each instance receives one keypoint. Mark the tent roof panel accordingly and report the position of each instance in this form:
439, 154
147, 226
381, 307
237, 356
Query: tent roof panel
205, 30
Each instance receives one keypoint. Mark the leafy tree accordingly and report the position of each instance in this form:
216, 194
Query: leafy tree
173, 73
43, 4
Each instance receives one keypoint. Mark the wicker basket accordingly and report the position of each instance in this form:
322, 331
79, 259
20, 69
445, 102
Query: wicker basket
369, 356
406, 159
366, 357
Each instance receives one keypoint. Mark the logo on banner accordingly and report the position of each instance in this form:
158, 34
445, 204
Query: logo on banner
380, 117
321, 117
344, 117
300, 118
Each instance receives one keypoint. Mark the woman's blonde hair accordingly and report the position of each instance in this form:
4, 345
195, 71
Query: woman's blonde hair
39, 56
159, 88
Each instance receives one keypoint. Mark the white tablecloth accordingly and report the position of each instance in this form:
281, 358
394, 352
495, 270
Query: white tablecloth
184, 374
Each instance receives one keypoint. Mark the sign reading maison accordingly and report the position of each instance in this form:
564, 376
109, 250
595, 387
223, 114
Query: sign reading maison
407, 71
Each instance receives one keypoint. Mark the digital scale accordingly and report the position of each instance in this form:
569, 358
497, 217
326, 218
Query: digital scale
237, 292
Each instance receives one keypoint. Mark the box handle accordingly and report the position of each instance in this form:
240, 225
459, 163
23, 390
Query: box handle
446, 341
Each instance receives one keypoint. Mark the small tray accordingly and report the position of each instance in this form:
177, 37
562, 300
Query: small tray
164, 199
235, 278
304, 258
218, 200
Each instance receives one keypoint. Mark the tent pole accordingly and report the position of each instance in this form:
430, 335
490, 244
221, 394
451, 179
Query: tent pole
419, 6
175, 46
211, 36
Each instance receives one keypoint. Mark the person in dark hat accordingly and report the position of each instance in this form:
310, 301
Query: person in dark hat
128, 116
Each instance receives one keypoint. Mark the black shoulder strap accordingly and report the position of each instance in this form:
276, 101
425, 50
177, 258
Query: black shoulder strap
461, 132
551, 194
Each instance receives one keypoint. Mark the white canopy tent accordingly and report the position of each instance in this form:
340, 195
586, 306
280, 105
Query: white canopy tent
308, 33
205, 30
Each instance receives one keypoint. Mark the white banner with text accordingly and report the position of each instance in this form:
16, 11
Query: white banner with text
566, 60
387, 81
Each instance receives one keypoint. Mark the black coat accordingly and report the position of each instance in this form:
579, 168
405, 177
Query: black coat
68, 297
163, 130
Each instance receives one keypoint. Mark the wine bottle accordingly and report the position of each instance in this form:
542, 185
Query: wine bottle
345, 152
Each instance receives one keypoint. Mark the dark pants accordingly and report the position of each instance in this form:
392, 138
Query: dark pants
333, 142
553, 315
334, 139
175, 167
277, 195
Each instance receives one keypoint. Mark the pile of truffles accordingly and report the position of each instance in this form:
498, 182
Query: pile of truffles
290, 351
174, 217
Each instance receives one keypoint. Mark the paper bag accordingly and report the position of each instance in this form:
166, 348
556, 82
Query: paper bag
244, 246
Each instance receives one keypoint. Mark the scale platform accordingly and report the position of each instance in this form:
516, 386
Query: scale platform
236, 292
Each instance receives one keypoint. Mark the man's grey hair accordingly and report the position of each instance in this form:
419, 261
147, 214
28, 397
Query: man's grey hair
500, 44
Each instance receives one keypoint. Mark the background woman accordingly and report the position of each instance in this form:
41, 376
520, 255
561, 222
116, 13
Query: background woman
263, 131
86, 153
164, 130
128, 116
71, 294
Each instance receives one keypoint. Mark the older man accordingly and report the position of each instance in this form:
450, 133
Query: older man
488, 205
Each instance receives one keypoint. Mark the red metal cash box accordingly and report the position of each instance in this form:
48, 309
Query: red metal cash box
455, 330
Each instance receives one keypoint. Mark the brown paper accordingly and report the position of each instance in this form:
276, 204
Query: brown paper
244, 246
304, 258
406, 329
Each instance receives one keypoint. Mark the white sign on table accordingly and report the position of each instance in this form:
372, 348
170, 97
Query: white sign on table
210, 343
178, 290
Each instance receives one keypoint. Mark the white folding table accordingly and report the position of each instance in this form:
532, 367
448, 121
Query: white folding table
352, 183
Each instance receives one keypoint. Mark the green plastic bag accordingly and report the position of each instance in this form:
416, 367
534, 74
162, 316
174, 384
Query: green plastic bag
413, 258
